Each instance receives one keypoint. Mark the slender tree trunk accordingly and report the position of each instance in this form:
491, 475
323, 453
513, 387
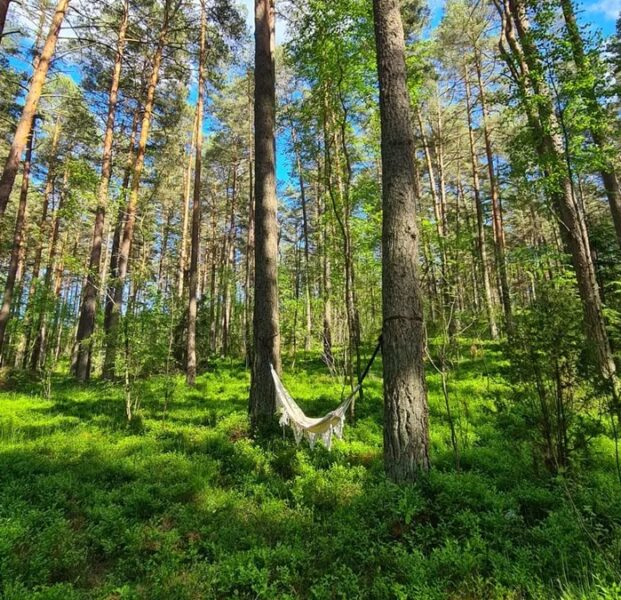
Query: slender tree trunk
440, 218
190, 375
30, 107
248, 280
228, 271
18, 244
187, 188
37, 357
481, 246
498, 229
86, 325
266, 315
114, 294
307, 283
406, 435
132, 204
38, 257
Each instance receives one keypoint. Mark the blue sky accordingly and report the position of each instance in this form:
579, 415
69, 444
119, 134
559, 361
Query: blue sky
601, 14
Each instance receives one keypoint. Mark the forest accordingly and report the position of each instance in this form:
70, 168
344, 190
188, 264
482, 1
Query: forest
314, 299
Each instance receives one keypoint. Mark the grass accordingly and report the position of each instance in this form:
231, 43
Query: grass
184, 504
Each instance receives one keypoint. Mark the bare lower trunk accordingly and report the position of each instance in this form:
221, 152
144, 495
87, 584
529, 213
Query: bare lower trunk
481, 246
266, 315
132, 204
86, 325
114, 294
406, 436
498, 229
190, 375
37, 357
185, 197
30, 107
17, 248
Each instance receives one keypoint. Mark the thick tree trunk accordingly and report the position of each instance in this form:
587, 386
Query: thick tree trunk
30, 107
609, 176
190, 375
18, 244
481, 246
86, 325
266, 315
132, 204
406, 436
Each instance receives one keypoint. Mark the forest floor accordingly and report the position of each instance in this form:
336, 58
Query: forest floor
183, 504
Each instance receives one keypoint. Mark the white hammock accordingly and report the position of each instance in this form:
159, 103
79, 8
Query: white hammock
322, 428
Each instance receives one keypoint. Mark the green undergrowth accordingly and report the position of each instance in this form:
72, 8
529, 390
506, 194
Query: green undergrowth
182, 503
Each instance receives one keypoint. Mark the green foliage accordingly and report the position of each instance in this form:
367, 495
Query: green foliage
189, 506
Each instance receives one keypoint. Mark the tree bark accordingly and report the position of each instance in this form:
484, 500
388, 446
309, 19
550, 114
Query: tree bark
305, 236
38, 355
185, 198
86, 325
262, 402
608, 173
406, 435
498, 229
18, 244
190, 375
30, 107
132, 204
553, 161
481, 246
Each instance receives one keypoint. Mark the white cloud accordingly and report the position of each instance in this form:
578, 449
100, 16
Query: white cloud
608, 8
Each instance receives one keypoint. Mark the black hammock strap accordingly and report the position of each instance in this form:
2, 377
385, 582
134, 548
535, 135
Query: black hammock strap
362, 377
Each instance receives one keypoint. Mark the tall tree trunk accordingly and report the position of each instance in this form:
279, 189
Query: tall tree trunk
326, 285
18, 243
498, 229
190, 375
185, 197
86, 325
406, 435
553, 161
440, 219
305, 236
249, 275
114, 294
43, 226
37, 358
609, 176
132, 204
262, 402
228, 271
30, 107
481, 246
